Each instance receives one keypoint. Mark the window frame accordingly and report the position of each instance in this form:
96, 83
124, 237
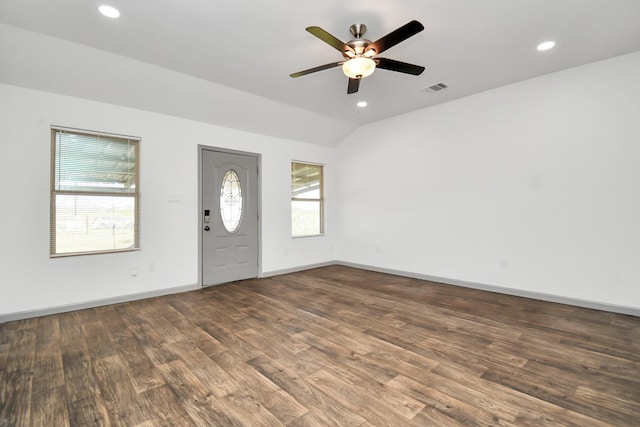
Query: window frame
320, 199
135, 141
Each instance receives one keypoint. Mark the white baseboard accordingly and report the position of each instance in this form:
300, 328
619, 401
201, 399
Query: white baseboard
296, 269
632, 311
19, 315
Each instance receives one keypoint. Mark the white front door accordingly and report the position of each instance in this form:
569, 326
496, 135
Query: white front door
229, 216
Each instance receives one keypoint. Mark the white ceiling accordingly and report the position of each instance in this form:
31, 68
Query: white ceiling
253, 46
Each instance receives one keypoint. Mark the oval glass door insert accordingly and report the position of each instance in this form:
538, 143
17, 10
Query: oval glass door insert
231, 201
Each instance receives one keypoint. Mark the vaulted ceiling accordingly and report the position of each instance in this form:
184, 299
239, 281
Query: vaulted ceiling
240, 53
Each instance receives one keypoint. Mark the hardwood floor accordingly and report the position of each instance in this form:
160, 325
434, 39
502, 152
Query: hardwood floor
330, 346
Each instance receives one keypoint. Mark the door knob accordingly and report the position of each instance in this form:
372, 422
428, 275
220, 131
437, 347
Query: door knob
206, 228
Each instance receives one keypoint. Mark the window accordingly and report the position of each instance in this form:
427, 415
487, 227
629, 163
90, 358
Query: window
95, 199
306, 200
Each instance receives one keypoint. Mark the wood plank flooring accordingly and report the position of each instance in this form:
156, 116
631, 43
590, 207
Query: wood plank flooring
329, 346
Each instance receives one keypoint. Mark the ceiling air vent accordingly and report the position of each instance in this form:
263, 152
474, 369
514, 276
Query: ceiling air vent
437, 87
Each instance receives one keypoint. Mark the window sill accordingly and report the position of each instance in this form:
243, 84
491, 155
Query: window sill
308, 235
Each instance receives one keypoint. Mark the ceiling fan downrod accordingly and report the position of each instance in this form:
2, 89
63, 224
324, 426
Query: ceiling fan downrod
358, 30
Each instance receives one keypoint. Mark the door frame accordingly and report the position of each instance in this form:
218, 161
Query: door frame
258, 156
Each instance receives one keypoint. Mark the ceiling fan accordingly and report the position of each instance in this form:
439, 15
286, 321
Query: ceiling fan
359, 54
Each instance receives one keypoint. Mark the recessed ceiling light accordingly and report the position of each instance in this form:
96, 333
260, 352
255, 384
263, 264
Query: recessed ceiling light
109, 11
546, 45
362, 104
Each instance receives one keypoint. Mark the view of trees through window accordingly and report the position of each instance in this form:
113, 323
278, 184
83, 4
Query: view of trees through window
94, 223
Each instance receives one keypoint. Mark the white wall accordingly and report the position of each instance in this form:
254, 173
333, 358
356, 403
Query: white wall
31, 281
533, 186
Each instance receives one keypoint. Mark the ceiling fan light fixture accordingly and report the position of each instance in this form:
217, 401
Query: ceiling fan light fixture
359, 67
349, 53
369, 53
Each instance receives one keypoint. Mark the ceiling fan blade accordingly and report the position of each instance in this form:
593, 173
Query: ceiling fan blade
314, 69
393, 38
401, 67
353, 86
329, 39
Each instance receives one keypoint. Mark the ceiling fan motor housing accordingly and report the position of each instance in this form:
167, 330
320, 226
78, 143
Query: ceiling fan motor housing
358, 45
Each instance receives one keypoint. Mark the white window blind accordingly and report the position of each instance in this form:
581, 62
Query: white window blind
307, 200
95, 198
